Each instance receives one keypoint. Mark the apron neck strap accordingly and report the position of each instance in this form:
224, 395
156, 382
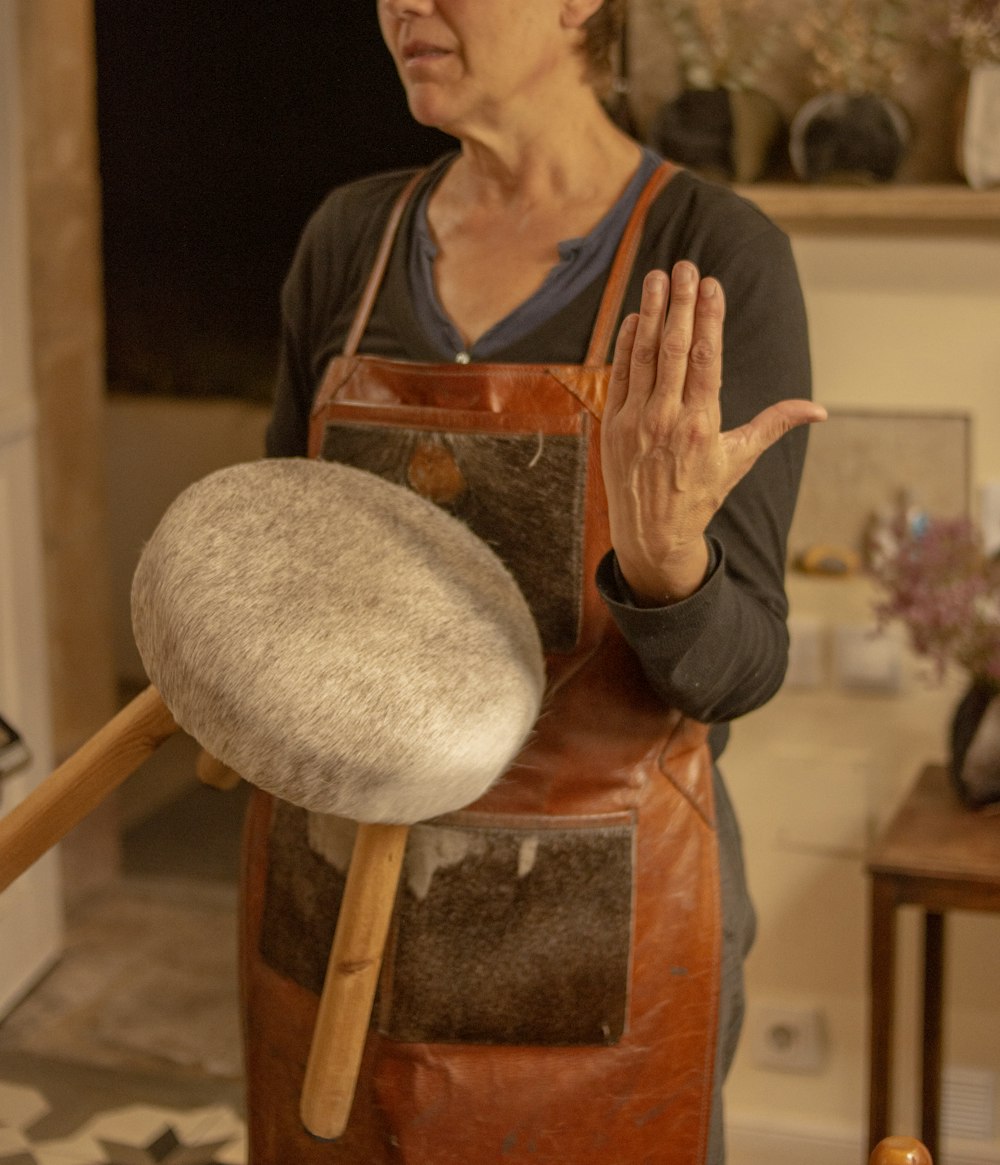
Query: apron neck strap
608, 314
367, 302
614, 292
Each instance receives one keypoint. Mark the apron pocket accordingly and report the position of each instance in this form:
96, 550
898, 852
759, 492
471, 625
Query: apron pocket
517, 934
512, 935
521, 492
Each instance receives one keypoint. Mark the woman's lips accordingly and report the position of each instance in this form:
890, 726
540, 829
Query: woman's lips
420, 52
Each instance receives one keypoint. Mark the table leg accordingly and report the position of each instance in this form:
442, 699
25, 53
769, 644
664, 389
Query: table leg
882, 979
933, 1007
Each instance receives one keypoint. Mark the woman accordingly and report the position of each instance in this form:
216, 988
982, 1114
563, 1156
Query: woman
470, 366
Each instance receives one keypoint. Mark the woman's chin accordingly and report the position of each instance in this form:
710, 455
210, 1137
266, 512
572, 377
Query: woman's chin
432, 108
431, 114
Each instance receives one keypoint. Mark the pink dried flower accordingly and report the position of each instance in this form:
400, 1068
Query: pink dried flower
724, 43
855, 46
974, 25
938, 582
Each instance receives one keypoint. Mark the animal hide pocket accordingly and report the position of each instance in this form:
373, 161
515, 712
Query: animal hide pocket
507, 930
521, 492
512, 933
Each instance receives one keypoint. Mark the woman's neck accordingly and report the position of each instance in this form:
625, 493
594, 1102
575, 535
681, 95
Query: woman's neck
571, 156
501, 209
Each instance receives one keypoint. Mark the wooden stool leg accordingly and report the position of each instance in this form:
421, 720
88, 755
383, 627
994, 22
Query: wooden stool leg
933, 1009
352, 975
882, 971
82, 782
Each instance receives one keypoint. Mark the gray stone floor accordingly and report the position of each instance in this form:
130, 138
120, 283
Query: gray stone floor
128, 1051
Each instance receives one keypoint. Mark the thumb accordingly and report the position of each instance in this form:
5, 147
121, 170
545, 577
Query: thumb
750, 440
774, 422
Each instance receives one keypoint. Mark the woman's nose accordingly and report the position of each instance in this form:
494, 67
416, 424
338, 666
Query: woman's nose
403, 9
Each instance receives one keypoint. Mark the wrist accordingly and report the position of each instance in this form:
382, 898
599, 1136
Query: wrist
668, 580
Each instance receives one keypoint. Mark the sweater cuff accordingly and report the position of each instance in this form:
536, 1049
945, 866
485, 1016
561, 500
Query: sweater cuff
616, 591
685, 619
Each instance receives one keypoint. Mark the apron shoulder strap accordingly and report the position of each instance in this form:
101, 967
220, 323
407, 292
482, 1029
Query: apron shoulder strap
614, 291
608, 313
367, 302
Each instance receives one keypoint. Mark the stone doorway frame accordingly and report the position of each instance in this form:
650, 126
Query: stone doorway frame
66, 305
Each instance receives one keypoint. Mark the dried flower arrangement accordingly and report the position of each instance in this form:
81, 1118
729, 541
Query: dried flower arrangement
856, 46
974, 27
936, 580
723, 44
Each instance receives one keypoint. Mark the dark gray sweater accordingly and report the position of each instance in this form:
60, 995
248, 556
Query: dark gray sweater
723, 651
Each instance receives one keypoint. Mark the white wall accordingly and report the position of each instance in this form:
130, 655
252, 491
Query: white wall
896, 323
908, 323
156, 446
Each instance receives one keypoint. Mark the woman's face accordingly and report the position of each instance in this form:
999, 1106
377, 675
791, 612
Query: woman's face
475, 63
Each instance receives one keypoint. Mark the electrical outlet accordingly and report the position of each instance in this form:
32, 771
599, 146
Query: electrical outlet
790, 1039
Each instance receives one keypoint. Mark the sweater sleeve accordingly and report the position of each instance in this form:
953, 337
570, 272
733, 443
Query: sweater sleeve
723, 651
305, 285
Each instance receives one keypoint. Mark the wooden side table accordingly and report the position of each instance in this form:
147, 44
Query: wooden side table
940, 856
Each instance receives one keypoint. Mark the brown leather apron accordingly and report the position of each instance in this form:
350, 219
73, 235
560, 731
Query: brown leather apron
550, 991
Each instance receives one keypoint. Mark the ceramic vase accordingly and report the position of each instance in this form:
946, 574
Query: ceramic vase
848, 137
975, 746
978, 138
729, 135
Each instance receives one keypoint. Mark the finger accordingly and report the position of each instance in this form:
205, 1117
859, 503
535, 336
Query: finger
646, 347
675, 343
704, 372
749, 441
620, 365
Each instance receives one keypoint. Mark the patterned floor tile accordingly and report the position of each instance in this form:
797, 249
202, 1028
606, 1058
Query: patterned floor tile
128, 1053
13, 1148
16, 1149
148, 1137
20, 1106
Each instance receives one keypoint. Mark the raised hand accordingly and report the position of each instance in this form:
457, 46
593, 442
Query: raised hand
667, 465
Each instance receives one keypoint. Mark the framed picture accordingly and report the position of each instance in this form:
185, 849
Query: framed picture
859, 462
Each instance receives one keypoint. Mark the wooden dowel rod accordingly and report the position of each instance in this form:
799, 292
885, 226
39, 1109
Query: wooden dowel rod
214, 773
351, 978
82, 782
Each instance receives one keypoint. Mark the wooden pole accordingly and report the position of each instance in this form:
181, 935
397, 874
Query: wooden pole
351, 978
82, 782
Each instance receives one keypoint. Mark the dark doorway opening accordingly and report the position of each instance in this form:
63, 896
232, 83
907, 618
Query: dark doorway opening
221, 127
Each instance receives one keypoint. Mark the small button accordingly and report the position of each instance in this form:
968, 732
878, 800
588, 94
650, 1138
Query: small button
463, 358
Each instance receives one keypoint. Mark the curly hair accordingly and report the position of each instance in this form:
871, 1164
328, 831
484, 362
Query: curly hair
601, 33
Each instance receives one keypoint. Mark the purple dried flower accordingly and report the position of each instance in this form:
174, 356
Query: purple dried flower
941, 586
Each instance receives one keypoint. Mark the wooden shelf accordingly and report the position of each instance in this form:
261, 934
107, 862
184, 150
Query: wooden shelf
948, 208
